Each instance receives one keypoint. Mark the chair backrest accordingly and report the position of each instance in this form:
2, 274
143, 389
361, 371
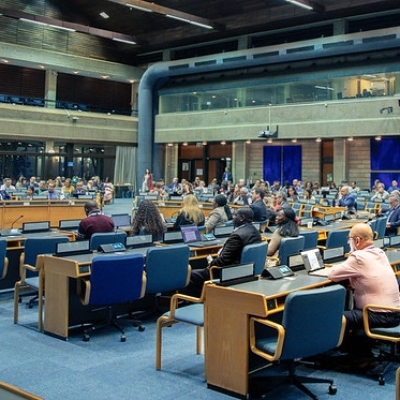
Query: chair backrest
256, 253
380, 227
310, 239
104, 238
338, 238
39, 245
116, 279
313, 321
290, 246
3, 258
167, 268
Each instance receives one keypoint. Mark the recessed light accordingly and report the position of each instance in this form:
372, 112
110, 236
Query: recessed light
4, 60
104, 15
76, 72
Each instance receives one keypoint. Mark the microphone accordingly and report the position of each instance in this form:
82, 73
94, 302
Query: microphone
12, 225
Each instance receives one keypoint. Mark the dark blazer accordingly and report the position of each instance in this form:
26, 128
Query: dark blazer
394, 219
182, 220
260, 210
232, 250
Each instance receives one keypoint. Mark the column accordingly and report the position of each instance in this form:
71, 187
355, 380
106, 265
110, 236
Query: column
340, 163
51, 88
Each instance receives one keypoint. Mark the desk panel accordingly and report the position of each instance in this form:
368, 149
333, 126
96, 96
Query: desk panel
227, 315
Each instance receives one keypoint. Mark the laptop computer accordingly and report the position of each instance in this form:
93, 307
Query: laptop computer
313, 263
137, 241
121, 220
30, 227
235, 274
191, 236
64, 249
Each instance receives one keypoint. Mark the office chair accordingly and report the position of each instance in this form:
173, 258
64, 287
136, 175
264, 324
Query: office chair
167, 270
306, 211
3, 259
192, 314
338, 238
380, 228
113, 280
32, 272
312, 323
288, 247
310, 239
256, 253
386, 335
98, 239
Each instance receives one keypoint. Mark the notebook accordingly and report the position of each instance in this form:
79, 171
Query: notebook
29, 227
191, 236
313, 263
138, 241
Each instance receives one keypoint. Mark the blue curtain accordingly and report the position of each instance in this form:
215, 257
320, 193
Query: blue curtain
282, 163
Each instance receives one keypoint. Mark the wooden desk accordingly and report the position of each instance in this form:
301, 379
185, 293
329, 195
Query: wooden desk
40, 210
170, 209
320, 211
227, 314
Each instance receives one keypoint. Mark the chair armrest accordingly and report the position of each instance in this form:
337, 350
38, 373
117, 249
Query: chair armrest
374, 307
5, 268
83, 290
281, 337
213, 271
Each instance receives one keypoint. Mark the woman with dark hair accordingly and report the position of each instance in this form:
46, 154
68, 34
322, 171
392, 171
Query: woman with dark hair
190, 213
292, 194
148, 221
220, 214
287, 227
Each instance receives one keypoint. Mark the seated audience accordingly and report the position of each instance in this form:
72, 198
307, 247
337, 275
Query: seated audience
243, 198
245, 233
95, 222
220, 214
30, 192
258, 206
347, 199
395, 186
393, 215
190, 213
7, 185
286, 227
67, 188
307, 195
281, 200
380, 193
373, 282
51, 192
292, 194
149, 221
79, 189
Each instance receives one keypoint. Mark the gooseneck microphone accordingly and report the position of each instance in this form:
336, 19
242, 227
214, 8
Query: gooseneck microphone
12, 225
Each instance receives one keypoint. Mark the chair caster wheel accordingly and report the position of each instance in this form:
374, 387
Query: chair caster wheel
381, 381
86, 337
123, 338
141, 328
332, 389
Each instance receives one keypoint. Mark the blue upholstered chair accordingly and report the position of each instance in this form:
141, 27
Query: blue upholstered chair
98, 239
32, 272
380, 228
288, 247
3, 259
192, 314
310, 239
312, 323
338, 238
116, 279
386, 335
256, 253
167, 268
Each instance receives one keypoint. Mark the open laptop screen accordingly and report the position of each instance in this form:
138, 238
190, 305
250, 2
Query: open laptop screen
190, 233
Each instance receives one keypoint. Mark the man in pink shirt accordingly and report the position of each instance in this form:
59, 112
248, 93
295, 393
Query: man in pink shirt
372, 279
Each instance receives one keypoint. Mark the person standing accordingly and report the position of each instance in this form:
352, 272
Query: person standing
147, 181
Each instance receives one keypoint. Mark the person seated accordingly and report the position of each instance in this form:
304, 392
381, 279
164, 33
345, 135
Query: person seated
245, 233
372, 279
30, 192
348, 200
175, 186
281, 200
67, 188
258, 206
149, 221
393, 215
380, 194
307, 195
51, 192
7, 185
190, 213
95, 222
220, 214
213, 187
296, 184
158, 188
286, 227
292, 194
79, 189
243, 198
395, 186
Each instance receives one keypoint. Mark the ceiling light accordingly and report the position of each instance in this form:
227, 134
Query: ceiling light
350, 138
104, 15
324, 87
301, 3
294, 140
105, 76
4, 60
124, 41
204, 143
189, 21
76, 72
63, 28
184, 143
318, 140
248, 141
269, 141
378, 138
170, 144
223, 142
33, 21
139, 8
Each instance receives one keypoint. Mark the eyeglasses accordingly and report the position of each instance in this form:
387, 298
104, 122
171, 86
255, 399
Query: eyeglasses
351, 237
